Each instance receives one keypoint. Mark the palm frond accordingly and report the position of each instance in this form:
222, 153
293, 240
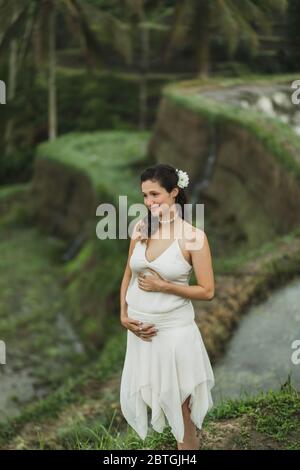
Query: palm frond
180, 26
104, 29
28, 31
14, 28
272, 6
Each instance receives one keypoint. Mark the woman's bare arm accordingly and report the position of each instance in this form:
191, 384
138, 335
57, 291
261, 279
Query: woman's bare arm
127, 275
123, 290
202, 264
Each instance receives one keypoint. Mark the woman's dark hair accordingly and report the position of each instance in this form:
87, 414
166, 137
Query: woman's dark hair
167, 177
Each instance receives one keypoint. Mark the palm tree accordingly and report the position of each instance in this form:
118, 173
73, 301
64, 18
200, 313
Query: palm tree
200, 20
26, 22
293, 21
138, 12
12, 77
138, 18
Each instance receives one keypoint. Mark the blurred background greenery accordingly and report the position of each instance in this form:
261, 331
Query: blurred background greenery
95, 92
90, 65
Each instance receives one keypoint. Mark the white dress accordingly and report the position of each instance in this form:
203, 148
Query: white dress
163, 372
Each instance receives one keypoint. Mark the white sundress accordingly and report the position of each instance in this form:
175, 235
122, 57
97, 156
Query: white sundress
162, 373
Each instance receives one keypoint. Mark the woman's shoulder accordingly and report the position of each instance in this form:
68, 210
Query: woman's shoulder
193, 237
137, 232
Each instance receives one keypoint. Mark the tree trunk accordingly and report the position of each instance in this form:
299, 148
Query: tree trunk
143, 89
11, 93
143, 80
203, 14
204, 57
52, 110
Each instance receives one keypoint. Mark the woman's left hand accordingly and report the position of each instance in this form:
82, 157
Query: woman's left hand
153, 282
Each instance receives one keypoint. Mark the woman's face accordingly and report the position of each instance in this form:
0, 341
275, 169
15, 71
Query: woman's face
156, 198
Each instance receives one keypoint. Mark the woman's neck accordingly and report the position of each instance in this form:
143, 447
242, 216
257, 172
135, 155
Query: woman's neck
169, 218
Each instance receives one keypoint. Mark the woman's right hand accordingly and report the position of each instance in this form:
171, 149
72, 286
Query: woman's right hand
143, 331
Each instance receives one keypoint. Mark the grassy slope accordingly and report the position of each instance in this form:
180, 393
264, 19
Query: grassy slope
108, 159
28, 256
32, 305
105, 157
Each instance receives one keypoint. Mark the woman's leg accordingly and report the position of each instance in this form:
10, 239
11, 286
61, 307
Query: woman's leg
191, 440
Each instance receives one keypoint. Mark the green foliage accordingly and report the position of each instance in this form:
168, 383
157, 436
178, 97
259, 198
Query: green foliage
85, 102
232, 20
102, 368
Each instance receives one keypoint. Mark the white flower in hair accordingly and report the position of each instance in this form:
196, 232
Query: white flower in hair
183, 178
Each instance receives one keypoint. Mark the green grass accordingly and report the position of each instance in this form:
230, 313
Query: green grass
228, 264
220, 80
12, 189
102, 368
274, 415
105, 157
31, 305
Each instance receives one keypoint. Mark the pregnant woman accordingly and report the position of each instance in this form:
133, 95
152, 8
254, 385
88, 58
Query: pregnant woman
166, 365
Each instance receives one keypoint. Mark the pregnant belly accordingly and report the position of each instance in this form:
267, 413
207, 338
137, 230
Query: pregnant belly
152, 302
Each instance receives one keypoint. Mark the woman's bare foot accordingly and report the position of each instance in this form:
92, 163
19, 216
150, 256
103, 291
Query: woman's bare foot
193, 444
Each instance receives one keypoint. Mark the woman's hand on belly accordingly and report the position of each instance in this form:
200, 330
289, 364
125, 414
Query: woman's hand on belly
154, 282
143, 331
